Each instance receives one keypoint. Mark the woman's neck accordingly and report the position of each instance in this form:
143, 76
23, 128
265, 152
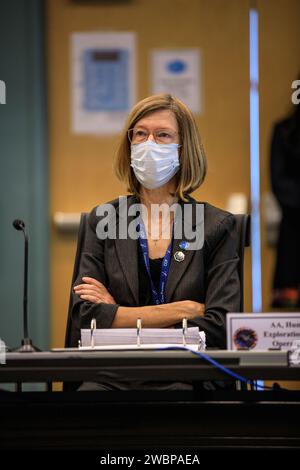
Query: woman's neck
163, 195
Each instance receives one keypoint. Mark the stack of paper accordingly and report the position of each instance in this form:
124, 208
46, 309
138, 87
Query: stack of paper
147, 338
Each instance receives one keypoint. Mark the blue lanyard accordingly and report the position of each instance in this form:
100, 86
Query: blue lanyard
157, 297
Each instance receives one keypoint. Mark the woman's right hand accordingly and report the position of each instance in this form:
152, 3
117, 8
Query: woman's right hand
93, 291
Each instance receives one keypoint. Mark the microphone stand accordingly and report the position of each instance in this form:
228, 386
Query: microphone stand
26, 344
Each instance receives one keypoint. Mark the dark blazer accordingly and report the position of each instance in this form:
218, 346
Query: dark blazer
208, 275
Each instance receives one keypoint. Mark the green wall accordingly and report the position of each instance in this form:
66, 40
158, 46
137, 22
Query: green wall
23, 170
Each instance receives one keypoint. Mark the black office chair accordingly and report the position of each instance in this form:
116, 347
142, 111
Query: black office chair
72, 334
242, 228
71, 338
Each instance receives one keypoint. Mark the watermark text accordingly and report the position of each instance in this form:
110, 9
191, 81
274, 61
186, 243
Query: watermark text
296, 94
2, 92
180, 222
2, 352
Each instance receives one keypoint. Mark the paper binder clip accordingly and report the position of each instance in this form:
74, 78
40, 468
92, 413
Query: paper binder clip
138, 332
93, 327
184, 331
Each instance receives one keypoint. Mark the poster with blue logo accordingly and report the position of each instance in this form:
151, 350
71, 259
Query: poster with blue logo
103, 81
178, 72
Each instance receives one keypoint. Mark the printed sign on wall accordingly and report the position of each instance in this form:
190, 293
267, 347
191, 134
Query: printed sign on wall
178, 72
103, 81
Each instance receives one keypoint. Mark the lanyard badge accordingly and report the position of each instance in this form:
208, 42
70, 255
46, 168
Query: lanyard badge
157, 297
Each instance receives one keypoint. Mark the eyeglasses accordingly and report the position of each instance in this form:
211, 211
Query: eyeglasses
161, 136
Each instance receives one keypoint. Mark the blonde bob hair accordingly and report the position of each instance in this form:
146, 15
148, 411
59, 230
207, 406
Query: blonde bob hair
192, 157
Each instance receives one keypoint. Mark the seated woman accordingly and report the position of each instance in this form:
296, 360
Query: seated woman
159, 275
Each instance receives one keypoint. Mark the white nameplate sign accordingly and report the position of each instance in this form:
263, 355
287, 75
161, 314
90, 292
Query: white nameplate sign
262, 330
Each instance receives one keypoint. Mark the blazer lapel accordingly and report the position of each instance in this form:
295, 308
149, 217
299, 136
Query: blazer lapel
127, 248
178, 268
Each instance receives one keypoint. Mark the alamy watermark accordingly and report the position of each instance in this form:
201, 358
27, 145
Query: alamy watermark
296, 94
2, 92
2, 352
129, 222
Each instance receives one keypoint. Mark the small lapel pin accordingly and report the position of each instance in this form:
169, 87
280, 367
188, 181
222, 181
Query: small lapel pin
179, 256
184, 245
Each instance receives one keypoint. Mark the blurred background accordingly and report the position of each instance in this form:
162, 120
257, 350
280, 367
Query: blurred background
249, 56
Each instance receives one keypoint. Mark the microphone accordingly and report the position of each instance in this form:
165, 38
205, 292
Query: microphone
26, 345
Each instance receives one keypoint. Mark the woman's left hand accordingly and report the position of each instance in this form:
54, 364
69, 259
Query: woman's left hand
93, 291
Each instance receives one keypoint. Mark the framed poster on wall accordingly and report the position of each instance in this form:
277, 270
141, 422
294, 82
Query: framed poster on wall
103, 81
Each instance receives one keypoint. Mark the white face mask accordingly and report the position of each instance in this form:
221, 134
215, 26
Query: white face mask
154, 164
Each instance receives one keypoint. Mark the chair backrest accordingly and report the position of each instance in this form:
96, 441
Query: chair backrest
242, 228
243, 231
71, 334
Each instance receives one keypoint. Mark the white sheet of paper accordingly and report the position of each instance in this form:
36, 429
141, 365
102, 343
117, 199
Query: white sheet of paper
122, 347
149, 338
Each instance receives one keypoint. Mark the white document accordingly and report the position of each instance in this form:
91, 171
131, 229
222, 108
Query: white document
148, 338
123, 347
178, 72
103, 81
